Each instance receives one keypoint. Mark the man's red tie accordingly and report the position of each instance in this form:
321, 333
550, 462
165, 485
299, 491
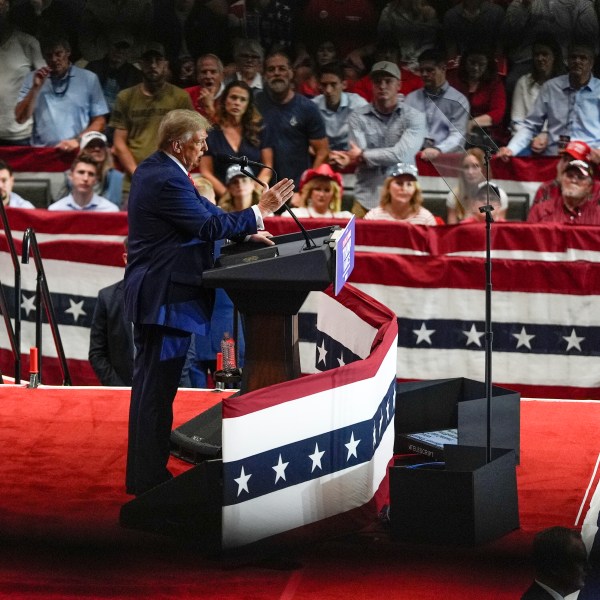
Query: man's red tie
191, 180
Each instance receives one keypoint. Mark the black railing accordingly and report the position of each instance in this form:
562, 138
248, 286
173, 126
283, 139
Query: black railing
14, 335
43, 298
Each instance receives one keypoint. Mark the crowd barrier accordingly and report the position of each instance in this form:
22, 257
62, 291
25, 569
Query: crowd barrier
39, 176
546, 290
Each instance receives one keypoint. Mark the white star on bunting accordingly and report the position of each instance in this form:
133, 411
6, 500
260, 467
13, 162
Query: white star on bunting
279, 469
473, 336
242, 482
352, 445
28, 304
423, 334
316, 458
573, 341
322, 352
76, 309
523, 339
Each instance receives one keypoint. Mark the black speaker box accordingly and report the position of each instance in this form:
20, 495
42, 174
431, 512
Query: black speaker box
463, 502
459, 403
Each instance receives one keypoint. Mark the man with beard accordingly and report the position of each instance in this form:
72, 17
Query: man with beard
570, 104
575, 204
294, 119
64, 100
139, 109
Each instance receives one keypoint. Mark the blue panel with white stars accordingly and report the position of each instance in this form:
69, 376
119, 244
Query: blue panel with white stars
448, 334
307, 459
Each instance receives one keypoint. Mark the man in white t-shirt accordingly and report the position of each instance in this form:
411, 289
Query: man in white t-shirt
19, 54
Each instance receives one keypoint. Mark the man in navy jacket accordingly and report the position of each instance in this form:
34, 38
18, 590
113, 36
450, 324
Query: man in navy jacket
171, 234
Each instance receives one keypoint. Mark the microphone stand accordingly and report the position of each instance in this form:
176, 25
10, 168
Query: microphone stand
489, 335
487, 145
310, 243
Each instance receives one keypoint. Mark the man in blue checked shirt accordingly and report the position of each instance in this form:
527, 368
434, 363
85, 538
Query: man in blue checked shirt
382, 134
571, 105
445, 108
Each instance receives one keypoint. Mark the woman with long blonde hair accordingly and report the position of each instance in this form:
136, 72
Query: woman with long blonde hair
401, 198
321, 192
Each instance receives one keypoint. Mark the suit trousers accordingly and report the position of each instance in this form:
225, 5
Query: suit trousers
160, 354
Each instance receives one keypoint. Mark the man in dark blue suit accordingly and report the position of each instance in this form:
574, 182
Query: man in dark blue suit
171, 234
560, 560
111, 336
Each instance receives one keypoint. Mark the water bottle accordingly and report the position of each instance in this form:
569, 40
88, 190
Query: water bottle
228, 351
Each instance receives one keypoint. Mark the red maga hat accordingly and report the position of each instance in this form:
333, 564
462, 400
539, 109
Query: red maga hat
323, 170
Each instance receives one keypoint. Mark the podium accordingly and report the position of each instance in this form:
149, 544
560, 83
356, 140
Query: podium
268, 285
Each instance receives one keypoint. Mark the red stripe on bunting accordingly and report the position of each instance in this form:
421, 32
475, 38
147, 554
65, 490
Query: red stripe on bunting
68, 222
34, 159
531, 168
576, 278
420, 239
365, 307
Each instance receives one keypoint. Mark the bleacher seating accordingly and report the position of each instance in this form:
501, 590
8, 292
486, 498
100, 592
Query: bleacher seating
37, 191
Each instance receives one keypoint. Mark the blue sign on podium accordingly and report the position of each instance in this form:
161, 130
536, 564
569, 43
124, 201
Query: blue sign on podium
344, 254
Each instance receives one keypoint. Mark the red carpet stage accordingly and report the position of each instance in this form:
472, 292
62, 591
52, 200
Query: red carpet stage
61, 488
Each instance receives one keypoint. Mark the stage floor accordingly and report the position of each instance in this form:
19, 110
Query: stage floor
61, 488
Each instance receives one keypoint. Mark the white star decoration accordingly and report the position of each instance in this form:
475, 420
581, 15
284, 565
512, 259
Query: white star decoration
242, 482
374, 434
316, 458
523, 339
279, 469
351, 445
423, 334
76, 309
322, 352
341, 361
28, 304
473, 336
573, 340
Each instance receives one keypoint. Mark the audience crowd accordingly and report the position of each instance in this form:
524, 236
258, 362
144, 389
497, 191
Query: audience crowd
363, 86
324, 93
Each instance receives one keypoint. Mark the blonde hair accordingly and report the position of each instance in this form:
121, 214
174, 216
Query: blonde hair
180, 124
415, 201
226, 201
205, 187
335, 204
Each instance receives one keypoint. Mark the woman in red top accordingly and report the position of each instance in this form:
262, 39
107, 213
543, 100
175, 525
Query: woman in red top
477, 78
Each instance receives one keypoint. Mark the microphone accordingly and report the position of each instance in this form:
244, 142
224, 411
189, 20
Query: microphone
243, 161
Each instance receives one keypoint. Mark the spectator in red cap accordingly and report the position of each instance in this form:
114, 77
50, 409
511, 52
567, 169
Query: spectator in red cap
321, 192
550, 190
575, 205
